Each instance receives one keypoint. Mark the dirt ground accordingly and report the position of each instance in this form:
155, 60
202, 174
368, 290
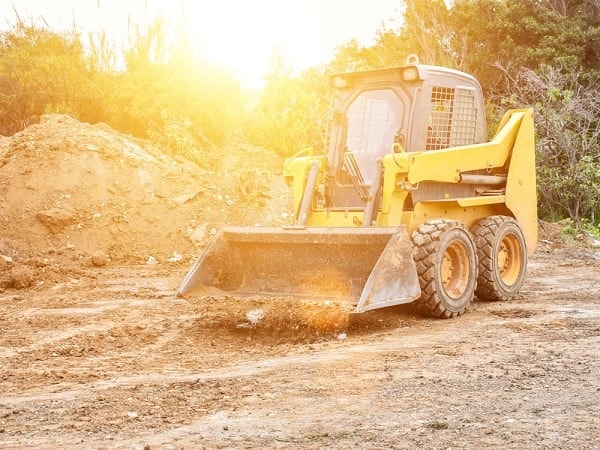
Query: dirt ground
98, 230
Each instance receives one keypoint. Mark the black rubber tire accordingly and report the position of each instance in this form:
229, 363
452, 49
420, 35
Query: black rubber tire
502, 256
445, 256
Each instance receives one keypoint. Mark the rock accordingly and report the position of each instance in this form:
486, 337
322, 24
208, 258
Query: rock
55, 219
197, 235
184, 198
7, 251
22, 276
39, 262
175, 258
151, 261
100, 259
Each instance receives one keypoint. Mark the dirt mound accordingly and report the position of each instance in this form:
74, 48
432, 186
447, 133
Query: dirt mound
77, 195
563, 234
4, 145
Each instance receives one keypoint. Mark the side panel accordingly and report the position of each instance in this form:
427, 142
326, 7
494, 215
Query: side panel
450, 111
511, 153
469, 213
447, 165
521, 192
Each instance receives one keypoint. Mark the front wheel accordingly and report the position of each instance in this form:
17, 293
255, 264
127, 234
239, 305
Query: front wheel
444, 254
502, 258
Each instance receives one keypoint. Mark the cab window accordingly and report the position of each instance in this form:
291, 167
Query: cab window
374, 119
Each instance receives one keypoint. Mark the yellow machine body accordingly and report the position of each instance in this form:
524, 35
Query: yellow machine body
509, 156
366, 213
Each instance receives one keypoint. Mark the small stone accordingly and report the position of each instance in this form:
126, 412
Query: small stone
56, 219
197, 235
175, 258
5, 259
100, 259
22, 276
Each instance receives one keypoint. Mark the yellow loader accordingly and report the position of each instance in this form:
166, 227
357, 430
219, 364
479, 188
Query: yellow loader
411, 203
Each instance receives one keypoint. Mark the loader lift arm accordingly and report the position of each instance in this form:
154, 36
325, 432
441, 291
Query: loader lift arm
506, 159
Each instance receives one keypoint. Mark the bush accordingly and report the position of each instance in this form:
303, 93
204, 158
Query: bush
40, 72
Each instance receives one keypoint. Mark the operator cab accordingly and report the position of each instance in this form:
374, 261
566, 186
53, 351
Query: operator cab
410, 108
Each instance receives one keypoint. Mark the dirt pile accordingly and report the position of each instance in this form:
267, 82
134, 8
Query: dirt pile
75, 195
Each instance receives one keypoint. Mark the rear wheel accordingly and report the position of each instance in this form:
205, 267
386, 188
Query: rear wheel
444, 254
502, 257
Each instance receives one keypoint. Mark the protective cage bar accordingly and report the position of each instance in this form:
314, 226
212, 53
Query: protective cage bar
452, 118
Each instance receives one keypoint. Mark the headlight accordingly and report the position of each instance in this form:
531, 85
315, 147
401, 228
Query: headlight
410, 74
340, 82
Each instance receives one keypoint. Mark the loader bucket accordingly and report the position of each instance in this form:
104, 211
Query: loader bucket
370, 267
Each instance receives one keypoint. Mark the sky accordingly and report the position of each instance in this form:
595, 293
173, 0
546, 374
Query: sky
238, 34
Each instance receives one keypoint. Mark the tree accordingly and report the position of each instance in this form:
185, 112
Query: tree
568, 149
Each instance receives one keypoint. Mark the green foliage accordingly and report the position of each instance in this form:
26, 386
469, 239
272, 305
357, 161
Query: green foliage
103, 52
183, 105
493, 39
567, 109
166, 93
578, 233
569, 231
148, 46
291, 112
40, 72
592, 229
571, 190
539, 53
353, 57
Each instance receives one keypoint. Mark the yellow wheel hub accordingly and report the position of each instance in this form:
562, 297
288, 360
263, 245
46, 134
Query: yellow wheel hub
509, 259
455, 270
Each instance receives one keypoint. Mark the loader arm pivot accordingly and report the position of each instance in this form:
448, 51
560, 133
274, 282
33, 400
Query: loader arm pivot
447, 165
509, 154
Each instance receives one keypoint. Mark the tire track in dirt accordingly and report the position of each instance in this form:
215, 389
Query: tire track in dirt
513, 375
356, 388
428, 340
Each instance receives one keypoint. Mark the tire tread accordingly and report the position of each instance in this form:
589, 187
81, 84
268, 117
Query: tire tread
427, 241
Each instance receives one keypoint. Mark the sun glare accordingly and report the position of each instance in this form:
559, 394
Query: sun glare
240, 35
243, 35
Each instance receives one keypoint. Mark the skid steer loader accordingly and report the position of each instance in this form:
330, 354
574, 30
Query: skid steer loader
411, 203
